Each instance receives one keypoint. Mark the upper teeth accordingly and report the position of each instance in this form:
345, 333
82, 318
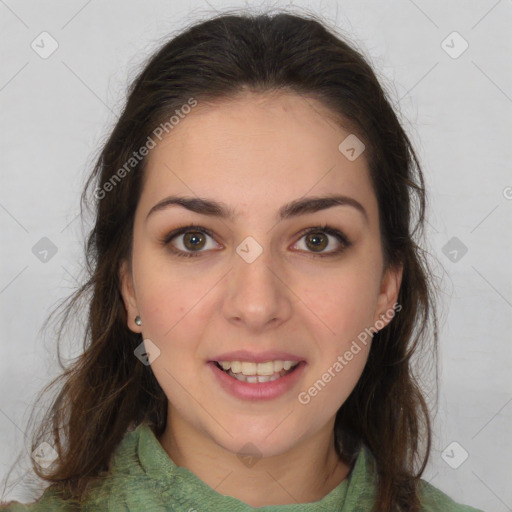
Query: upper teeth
251, 368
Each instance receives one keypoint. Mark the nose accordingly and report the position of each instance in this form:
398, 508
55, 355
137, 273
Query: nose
257, 295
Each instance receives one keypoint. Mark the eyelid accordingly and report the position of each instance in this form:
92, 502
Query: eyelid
324, 228
166, 240
329, 230
184, 229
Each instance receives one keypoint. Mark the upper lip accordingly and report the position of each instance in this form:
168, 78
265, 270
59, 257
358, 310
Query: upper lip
257, 357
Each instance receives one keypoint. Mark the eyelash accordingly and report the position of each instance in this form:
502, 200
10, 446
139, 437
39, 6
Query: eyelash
325, 228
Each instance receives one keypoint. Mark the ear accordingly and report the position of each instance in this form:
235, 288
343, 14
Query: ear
128, 294
389, 289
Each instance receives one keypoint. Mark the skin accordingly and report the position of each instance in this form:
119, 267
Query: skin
255, 153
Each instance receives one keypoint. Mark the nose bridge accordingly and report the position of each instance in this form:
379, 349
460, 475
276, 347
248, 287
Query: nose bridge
256, 291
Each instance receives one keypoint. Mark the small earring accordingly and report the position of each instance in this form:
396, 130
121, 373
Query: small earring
138, 320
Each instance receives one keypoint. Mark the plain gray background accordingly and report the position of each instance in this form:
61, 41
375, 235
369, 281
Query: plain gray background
456, 105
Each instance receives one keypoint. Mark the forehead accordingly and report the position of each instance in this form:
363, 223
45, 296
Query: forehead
257, 149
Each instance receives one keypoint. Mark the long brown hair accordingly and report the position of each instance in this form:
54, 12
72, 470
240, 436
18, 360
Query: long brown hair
106, 390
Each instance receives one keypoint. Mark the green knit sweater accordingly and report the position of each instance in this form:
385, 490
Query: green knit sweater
144, 478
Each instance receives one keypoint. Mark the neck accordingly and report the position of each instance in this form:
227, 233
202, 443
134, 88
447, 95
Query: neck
302, 475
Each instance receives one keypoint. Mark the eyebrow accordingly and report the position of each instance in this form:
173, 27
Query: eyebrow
294, 208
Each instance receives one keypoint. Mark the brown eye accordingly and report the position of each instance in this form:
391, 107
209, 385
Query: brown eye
194, 240
319, 238
317, 242
189, 241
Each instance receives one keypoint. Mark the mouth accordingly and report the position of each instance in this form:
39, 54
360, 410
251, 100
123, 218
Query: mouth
257, 373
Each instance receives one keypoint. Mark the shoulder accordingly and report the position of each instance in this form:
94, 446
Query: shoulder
46, 503
124, 468
434, 500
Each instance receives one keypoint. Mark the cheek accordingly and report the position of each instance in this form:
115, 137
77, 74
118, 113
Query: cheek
165, 297
332, 379
168, 312
175, 307
345, 300
161, 308
346, 306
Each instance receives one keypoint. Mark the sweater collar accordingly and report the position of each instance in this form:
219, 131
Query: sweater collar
182, 484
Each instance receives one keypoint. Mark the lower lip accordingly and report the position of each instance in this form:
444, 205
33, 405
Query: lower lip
258, 390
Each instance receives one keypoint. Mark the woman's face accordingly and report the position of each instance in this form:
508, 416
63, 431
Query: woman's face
262, 283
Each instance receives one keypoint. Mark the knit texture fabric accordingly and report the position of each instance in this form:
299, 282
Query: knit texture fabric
144, 478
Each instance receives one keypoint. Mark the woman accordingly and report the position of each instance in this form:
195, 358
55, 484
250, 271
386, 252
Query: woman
256, 290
